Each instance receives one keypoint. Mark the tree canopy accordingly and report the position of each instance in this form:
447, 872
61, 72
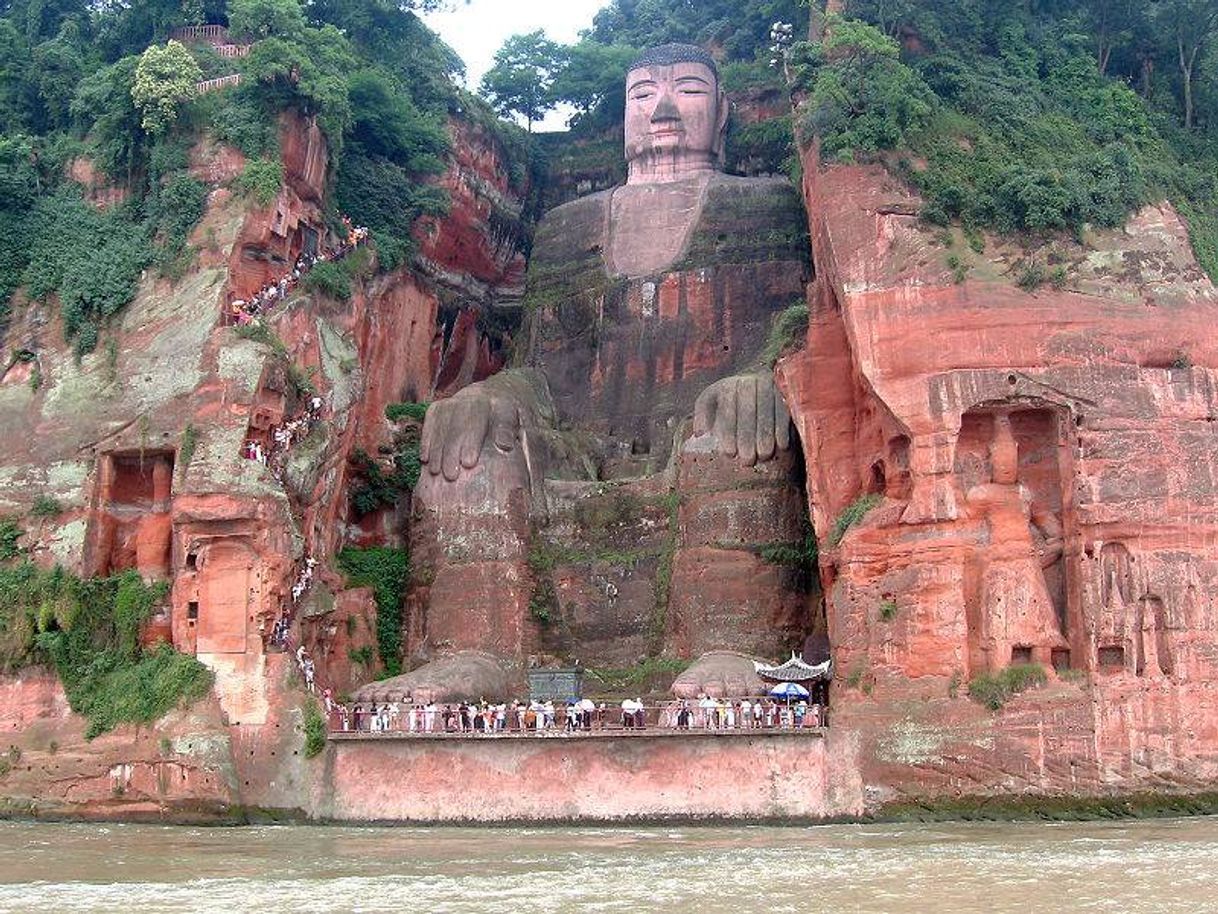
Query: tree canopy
522, 76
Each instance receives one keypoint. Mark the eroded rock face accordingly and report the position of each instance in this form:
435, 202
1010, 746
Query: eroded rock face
1042, 472
144, 449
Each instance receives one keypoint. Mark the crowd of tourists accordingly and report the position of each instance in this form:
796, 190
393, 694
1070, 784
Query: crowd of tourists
585, 716
283, 436
243, 311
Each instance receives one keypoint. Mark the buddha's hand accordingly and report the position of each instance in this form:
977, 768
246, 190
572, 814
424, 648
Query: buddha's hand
746, 416
456, 430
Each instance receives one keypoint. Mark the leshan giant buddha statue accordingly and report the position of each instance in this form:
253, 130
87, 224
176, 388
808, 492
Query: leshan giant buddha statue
646, 305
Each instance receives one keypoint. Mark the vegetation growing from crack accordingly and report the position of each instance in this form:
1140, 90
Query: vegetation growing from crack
994, 689
387, 571
852, 514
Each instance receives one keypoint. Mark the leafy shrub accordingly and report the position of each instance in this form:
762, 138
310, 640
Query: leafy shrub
765, 147
888, 609
46, 506
173, 209
238, 117
10, 539
331, 279
396, 412
362, 655
92, 259
787, 331
852, 514
794, 554
387, 198
186, 447
386, 571
1031, 276
994, 689
376, 489
313, 722
860, 96
89, 629
261, 180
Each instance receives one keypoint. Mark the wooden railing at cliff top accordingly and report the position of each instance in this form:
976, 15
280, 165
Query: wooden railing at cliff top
214, 33
210, 85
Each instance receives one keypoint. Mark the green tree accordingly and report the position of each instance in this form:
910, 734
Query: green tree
1191, 26
55, 70
593, 77
862, 98
258, 19
520, 80
165, 77
104, 107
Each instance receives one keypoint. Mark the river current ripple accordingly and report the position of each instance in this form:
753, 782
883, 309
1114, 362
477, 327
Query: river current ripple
1158, 866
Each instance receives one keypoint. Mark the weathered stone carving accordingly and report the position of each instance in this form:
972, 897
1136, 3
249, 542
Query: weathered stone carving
1016, 616
646, 304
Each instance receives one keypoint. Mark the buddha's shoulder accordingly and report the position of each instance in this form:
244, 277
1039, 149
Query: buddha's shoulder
574, 229
591, 210
773, 196
745, 220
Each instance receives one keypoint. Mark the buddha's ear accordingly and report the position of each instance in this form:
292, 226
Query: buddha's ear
724, 109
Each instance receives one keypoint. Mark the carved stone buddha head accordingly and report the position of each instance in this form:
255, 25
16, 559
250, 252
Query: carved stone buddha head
676, 114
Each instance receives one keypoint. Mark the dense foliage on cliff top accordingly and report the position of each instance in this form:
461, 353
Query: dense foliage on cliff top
89, 631
99, 80
1027, 117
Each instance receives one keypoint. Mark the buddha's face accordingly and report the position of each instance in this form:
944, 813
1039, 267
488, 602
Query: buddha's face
675, 117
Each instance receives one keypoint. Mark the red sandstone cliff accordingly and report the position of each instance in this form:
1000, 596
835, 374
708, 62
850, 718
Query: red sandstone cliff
107, 439
1095, 555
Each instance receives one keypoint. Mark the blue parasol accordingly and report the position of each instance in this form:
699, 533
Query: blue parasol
789, 690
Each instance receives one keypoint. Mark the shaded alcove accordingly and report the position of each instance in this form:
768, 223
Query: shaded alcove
130, 524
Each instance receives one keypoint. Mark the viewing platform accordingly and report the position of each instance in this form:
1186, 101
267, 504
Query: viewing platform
577, 736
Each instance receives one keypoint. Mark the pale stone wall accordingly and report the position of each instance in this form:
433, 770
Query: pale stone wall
744, 776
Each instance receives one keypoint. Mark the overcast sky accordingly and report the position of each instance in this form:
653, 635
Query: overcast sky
476, 29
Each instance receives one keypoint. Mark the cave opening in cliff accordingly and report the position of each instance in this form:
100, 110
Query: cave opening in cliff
130, 527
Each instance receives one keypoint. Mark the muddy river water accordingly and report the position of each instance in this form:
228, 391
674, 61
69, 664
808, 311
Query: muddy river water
1159, 866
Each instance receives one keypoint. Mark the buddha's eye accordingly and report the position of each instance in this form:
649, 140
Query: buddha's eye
692, 91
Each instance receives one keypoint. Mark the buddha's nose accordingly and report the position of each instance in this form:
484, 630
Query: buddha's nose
666, 109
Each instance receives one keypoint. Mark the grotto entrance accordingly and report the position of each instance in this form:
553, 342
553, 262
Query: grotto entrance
130, 525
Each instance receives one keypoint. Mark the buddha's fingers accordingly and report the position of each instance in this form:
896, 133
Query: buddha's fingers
474, 425
454, 430
505, 421
705, 408
765, 418
746, 419
725, 419
431, 448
